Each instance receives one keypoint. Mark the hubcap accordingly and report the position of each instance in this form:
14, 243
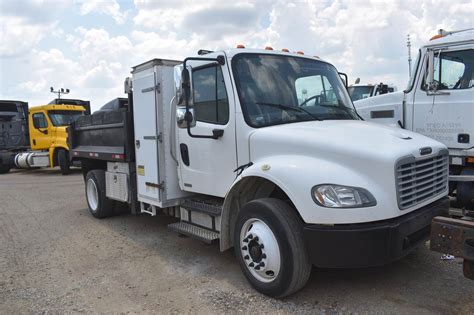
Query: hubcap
92, 195
260, 250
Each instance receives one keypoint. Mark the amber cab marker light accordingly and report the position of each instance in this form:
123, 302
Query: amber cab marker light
268, 48
437, 36
285, 50
240, 46
299, 52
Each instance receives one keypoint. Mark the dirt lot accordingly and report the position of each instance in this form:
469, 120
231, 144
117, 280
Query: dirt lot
55, 257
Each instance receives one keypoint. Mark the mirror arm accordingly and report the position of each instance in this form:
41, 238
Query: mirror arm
220, 60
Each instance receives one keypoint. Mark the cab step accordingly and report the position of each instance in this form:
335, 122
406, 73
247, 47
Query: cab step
194, 231
212, 207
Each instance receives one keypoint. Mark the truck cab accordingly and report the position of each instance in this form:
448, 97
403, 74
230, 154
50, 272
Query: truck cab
438, 103
262, 151
48, 134
14, 133
360, 91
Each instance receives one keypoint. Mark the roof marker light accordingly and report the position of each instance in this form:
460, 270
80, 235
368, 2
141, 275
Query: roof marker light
285, 50
240, 46
299, 52
268, 48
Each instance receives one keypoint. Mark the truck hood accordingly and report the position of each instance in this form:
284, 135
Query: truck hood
380, 100
344, 141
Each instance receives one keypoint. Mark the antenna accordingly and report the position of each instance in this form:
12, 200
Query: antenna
59, 91
409, 54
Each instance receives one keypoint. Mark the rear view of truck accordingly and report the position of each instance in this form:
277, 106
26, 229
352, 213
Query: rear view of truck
14, 135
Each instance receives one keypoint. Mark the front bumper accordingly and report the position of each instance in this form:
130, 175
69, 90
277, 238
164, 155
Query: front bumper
371, 244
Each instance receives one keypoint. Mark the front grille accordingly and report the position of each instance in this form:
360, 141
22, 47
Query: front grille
420, 180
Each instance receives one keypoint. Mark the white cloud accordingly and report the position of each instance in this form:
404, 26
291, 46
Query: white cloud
366, 39
107, 7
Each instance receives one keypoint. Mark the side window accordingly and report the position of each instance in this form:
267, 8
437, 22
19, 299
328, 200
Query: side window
454, 70
39, 121
211, 104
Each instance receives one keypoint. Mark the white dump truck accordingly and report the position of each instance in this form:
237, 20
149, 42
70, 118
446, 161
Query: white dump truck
438, 103
223, 143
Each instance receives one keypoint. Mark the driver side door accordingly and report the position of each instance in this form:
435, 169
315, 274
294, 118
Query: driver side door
207, 165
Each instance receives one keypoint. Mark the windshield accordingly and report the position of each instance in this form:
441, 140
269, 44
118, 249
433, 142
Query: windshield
276, 89
360, 92
63, 117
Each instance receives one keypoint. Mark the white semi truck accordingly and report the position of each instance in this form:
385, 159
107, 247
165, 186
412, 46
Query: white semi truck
222, 142
438, 103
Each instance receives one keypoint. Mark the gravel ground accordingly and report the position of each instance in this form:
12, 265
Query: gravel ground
56, 258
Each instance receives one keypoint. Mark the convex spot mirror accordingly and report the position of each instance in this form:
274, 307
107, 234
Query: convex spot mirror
185, 118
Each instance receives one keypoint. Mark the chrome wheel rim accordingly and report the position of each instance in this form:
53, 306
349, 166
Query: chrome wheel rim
260, 251
92, 195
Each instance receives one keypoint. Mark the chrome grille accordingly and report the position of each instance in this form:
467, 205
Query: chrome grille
420, 180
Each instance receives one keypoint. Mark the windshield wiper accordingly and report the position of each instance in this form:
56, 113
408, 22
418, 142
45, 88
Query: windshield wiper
286, 107
341, 106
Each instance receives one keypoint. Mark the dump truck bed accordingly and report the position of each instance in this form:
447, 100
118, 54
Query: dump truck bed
106, 135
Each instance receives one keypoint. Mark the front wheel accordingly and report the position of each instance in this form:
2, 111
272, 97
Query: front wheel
63, 160
269, 245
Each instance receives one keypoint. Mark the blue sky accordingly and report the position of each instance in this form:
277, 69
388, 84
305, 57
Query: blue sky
89, 46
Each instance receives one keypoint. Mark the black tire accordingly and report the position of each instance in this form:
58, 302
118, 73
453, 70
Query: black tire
99, 205
63, 161
465, 192
4, 169
287, 229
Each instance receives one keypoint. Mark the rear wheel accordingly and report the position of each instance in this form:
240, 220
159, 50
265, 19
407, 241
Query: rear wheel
4, 169
270, 248
99, 205
63, 160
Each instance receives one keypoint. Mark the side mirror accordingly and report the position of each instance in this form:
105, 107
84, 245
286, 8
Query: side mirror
431, 84
344, 78
186, 87
184, 119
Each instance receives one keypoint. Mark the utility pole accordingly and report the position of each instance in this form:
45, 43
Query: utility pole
409, 55
59, 91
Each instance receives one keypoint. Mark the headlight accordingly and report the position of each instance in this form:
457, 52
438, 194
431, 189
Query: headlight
335, 196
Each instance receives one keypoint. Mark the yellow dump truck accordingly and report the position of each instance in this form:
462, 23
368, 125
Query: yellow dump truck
48, 135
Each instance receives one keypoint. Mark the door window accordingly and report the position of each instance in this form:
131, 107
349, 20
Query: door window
211, 104
39, 121
454, 70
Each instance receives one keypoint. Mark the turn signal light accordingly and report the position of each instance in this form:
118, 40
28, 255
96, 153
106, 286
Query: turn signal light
470, 160
268, 48
240, 46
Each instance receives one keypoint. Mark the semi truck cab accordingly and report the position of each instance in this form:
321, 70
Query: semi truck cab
48, 134
227, 143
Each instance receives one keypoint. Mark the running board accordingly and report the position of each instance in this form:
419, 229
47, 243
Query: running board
194, 231
202, 206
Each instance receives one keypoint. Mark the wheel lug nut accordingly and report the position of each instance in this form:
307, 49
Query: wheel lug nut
262, 264
256, 238
244, 248
261, 246
257, 267
251, 264
246, 240
250, 236
264, 256
246, 257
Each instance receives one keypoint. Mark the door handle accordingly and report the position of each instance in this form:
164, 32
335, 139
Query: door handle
217, 133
